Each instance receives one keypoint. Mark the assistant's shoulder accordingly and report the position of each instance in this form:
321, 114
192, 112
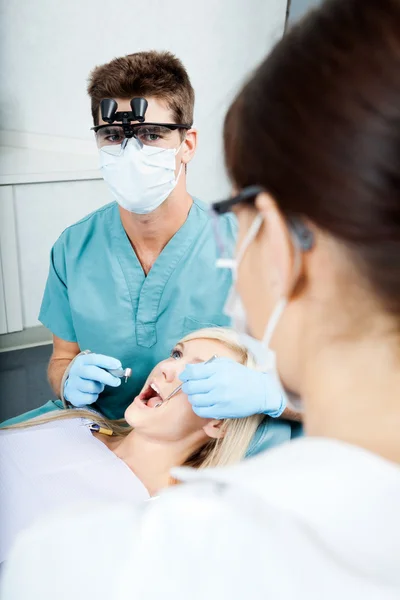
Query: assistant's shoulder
193, 507
87, 224
208, 528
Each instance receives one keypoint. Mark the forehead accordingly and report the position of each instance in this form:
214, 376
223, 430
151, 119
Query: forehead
206, 348
157, 110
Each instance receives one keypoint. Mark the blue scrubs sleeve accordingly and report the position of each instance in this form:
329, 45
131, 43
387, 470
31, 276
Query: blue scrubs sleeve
55, 312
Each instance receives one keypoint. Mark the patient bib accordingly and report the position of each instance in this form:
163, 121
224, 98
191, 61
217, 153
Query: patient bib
56, 465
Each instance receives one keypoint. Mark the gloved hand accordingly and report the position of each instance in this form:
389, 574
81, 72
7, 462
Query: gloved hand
225, 389
87, 378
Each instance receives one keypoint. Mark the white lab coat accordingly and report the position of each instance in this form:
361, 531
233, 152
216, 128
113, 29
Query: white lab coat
314, 519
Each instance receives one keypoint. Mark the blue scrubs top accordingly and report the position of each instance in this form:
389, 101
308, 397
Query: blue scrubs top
98, 295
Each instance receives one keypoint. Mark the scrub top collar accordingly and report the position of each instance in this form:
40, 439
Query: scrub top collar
146, 291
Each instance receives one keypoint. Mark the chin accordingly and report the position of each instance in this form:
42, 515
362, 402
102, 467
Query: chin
138, 414
131, 414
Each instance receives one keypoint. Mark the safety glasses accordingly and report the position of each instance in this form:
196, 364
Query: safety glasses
159, 135
246, 196
302, 236
225, 242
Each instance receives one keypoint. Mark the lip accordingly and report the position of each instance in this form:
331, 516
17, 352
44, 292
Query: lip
149, 392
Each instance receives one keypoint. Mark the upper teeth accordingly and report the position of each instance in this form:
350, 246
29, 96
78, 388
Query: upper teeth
155, 388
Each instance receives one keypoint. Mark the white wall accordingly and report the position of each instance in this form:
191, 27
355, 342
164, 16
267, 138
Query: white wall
47, 49
34, 206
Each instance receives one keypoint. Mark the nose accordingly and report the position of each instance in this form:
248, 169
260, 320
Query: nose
169, 371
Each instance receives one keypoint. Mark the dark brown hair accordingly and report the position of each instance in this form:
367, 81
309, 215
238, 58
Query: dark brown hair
151, 73
318, 126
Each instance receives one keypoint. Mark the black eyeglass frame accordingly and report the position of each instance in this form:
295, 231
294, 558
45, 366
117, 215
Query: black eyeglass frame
246, 196
302, 233
134, 126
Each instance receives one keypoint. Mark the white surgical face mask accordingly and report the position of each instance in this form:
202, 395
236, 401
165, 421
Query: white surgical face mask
234, 308
278, 311
140, 177
270, 363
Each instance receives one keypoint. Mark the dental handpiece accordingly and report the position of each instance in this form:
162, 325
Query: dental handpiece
178, 389
121, 373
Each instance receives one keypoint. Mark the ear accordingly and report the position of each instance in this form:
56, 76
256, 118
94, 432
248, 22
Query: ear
189, 146
278, 245
214, 429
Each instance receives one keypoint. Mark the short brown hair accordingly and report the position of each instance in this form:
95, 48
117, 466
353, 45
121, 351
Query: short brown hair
152, 73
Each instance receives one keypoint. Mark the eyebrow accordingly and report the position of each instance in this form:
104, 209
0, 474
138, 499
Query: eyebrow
196, 359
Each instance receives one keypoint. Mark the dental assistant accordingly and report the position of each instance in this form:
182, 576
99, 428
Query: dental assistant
129, 280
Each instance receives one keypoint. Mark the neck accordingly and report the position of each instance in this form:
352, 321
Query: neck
152, 460
149, 234
352, 393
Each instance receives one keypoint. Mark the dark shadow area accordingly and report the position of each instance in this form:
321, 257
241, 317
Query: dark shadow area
23, 380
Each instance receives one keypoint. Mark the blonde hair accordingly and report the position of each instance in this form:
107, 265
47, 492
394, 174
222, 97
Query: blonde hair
237, 433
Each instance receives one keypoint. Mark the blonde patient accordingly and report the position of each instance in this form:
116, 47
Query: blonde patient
172, 434
57, 460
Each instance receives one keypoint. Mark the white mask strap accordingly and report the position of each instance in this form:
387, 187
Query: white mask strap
177, 150
180, 168
249, 237
233, 263
179, 173
273, 320
281, 305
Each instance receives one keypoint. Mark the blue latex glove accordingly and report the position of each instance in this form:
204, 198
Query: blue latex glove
87, 378
225, 389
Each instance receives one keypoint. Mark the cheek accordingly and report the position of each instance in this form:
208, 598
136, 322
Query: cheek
181, 416
132, 413
178, 164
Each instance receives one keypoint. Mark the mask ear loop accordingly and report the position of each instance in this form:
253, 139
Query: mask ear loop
273, 320
177, 150
233, 263
249, 237
179, 174
283, 302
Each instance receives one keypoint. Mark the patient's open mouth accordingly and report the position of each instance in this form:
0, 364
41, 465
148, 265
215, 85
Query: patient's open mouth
151, 395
